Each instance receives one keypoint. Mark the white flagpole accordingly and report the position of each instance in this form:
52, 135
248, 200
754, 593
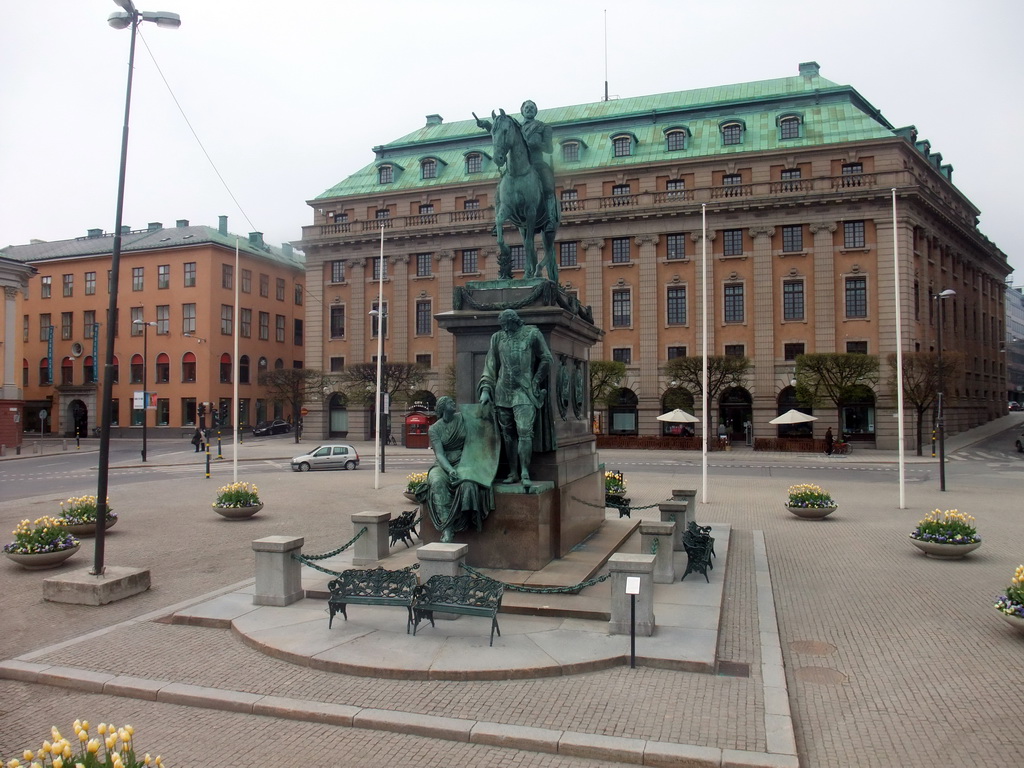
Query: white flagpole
899, 350
704, 350
236, 419
380, 357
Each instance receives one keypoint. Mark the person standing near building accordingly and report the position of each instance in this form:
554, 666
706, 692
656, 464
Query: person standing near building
830, 442
197, 439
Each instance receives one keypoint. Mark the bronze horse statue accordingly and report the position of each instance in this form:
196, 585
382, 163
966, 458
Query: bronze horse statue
521, 200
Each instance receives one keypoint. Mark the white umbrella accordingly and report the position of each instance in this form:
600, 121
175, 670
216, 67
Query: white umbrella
679, 416
793, 417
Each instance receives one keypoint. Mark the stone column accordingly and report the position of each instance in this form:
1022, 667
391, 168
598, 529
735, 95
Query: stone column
278, 574
620, 566
664, 534
595, 297
825, 309
10, 387
439, 559
765, 291
372, 545
445, 342
647, 309
400, 313
706, 304
679, 512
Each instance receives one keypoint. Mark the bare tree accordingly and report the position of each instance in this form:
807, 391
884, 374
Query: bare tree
723, 371
295, 386
833, 376
921, 381
359, 381
605, 377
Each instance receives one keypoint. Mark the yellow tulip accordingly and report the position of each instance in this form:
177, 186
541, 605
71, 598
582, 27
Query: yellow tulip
27, 755
93, 746
46, 746
58, 763
111, 741
15, 763
101, 728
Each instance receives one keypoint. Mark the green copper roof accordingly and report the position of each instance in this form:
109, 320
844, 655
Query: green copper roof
830, 114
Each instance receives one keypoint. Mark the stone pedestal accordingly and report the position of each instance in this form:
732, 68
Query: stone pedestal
278, 574
439, 559
83, 588
374, 544
680, 513
620, 566
664, 562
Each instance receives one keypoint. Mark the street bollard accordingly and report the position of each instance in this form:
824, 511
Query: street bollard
207, 461
220, 450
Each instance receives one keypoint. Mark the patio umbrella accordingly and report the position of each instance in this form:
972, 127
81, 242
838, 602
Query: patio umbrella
793, 417
679, 416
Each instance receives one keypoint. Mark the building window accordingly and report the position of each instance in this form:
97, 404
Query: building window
428, 168
280, 287
570, 198
298, 338
471, 205
675, 141
385, 174
793, 300
24, 328
732, 242
188, 367
90, 283
45, 286
792, 350
67, 324
163, 369
474, 163
734, 350
676, 351
89, 370
424, 264
138, 274
163, 319
138, 321
856, 347
337, 322
853, 234
298, 294
265, 286
264, 326
793, 238
243, 369
621, 192
676, 305
622, 355
518, 254
567, 254
425, 360
622, 146
469, 261
427, 209
337, 364
163, 276
376, 269
789, 128
675, 246
571, 152
338, 271
375, 319
44, 371
227, 316
620, 250
245, 323
136, 372
188, 318
225, 369
279, 328
227, 276
382, 214
44, 327
190, 274
852, 174
246, 281
790, 180
732, 133
68, 282
733, 310
423, 317
856, 297
676, 189
732, 180
622, 308
89, 323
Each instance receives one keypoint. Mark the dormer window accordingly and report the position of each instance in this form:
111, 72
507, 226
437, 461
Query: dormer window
428, 169
385, 174
675, 139
571, 152
474, 163
622, 145
790, 126
732, 132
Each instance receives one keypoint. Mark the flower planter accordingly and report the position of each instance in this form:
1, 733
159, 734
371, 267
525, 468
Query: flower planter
88, 529
812, 513
38, 562
410, 496
945, 551
1017, 622
238, 513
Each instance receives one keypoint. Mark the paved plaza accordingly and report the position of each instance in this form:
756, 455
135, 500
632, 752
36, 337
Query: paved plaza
888, 658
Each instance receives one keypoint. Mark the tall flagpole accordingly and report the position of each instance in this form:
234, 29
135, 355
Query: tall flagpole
380, 357
704, 349
899, 350
237, 418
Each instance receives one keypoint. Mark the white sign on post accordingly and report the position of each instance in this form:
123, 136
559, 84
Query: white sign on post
138, 400
632, 585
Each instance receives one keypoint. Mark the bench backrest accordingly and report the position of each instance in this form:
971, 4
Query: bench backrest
404, 520
462, 590
375, 582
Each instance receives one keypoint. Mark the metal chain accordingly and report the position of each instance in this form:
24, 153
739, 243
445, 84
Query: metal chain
539, 590
329, 572
339, 550
617, 506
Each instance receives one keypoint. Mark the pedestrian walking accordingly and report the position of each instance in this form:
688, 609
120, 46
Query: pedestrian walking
197, 439
829, 442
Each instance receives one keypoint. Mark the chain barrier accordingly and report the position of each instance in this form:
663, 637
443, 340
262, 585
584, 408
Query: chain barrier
337, 551
654, 546
617, 506
538, 590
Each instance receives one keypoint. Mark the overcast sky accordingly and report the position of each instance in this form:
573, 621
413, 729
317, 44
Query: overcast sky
287, 98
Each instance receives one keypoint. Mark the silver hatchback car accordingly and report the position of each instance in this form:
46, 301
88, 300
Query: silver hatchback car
328, 456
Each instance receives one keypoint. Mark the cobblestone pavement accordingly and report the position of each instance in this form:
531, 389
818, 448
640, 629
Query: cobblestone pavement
891, 658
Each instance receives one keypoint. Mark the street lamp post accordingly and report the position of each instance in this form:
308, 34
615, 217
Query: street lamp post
145, 378
940, 417
130, 17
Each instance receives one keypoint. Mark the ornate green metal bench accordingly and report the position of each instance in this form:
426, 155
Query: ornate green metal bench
403, 527
375, 586
699, 546
618, 502
465, 595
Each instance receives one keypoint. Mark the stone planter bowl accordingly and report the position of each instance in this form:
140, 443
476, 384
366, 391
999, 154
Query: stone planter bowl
238, 513
43, 559
945, 551
812, 513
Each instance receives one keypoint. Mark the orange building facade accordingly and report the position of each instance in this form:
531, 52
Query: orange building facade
174, 330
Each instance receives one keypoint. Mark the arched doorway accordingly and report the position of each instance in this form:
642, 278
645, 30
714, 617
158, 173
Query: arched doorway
735, 411
78, 419
857, 414
787, 401
337, 415
422, 400
622, 412
681, 398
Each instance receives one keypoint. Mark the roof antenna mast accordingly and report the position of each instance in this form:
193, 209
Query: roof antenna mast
606, 54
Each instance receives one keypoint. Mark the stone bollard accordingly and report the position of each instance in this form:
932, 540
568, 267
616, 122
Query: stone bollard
620, 566
3, 450
439, 559
678, 512
372, 545
63, 445
664, 562
689, 495
278, 574
35, 447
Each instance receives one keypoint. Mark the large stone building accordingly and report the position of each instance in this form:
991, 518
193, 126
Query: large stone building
795, 177
178, 283
14, 278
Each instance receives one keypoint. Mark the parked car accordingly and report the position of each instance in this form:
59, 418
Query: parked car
1020, 443
1015, 406
275, 427
330, 456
